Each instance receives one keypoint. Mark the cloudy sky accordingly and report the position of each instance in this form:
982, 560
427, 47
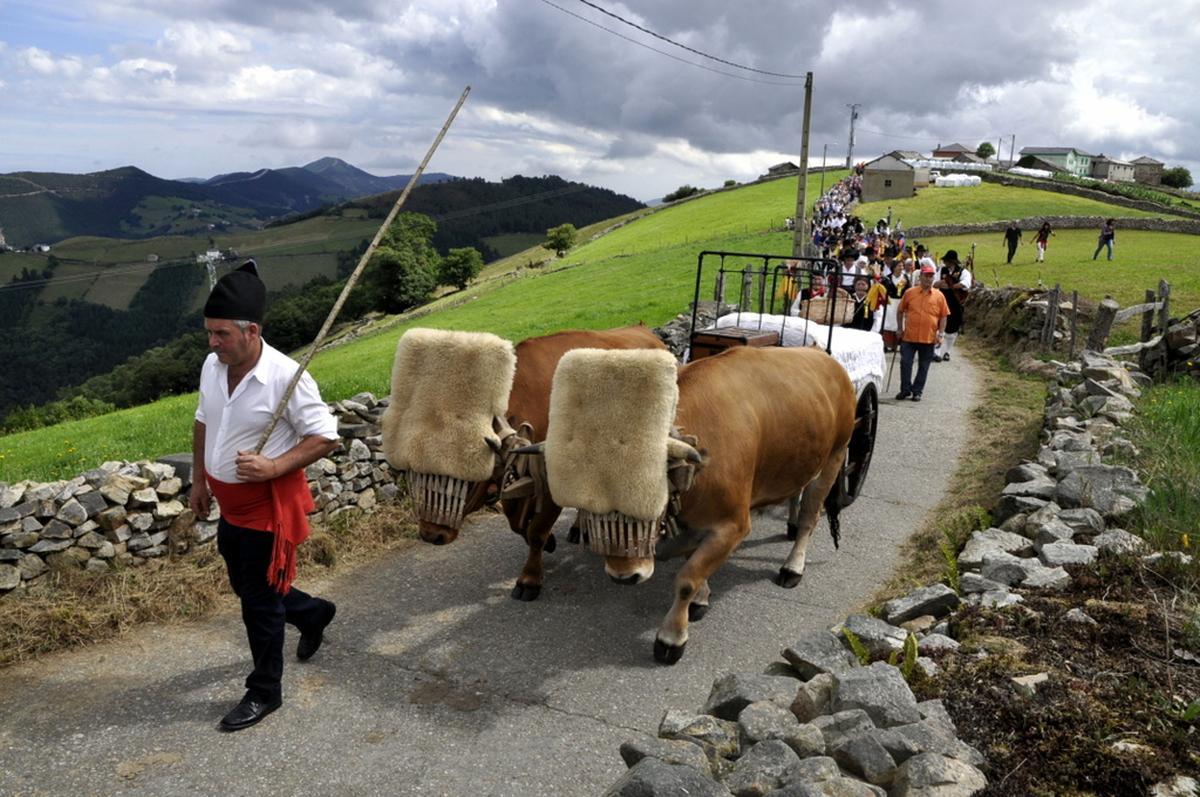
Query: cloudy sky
192, 88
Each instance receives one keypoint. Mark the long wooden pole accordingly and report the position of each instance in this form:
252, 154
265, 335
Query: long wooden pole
358, 270
800, 237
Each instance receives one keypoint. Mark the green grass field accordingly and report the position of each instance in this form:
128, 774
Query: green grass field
989, 202
1141, 259
643, 271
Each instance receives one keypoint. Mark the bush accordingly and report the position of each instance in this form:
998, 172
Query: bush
681, 192
23, 419
1177, 177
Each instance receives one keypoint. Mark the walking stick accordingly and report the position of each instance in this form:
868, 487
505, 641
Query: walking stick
362, 263
892, 367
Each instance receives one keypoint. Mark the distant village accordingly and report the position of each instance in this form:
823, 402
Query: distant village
899, 173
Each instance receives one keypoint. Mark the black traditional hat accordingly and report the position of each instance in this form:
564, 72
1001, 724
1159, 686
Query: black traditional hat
951, 256
240, 295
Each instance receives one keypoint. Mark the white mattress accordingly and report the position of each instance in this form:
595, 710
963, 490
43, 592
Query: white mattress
859, 352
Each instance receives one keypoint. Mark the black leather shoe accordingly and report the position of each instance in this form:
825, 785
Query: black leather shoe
249, 712
916, 397
902, 395
310, 641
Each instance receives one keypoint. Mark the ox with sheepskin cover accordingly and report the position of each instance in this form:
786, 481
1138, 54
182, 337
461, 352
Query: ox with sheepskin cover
608, 444
447, 390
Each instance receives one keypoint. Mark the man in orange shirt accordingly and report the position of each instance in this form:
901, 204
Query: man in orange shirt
921, 325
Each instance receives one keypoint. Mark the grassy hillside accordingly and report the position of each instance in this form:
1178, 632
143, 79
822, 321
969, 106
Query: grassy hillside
641, 271
289, 255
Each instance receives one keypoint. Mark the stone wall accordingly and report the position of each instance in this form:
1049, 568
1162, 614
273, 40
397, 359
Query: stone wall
1031, 224
1088, 193
124, 514
822, 722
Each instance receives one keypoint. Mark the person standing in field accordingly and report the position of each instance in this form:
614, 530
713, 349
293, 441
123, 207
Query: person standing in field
1012, 237
921, 319
264, 497
1108, 237
1044, 234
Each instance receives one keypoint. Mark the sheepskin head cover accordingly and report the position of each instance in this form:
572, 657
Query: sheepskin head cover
446, 389
606, 443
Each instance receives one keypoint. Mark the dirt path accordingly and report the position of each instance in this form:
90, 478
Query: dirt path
435, 682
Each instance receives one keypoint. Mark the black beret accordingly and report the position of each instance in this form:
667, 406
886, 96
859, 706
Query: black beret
239, 296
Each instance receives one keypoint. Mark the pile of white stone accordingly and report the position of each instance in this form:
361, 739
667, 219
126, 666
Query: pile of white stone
823, 724
128, 513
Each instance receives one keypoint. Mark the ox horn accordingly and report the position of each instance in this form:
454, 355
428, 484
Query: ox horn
494, 443
537, 449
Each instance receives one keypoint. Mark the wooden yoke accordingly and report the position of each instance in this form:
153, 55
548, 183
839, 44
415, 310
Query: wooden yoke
353, 279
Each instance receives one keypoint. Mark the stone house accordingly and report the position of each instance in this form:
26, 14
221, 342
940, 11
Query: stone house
1147, 170
888, 177
950, 151
1111, 169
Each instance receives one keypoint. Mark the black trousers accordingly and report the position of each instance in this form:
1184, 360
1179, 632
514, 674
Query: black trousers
924, 355
247, 554
1012, 250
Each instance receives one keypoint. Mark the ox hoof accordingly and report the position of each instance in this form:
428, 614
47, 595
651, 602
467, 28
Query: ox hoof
573, 535
793, 531
526, 592
696, 611
550, 544
667, 654
788, 579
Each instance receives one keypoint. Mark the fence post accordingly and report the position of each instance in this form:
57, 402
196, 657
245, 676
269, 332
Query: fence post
719, 293
1164, 312
747, 288
762, 291
1148, 318
1052, 314
1105, 315
1074, 322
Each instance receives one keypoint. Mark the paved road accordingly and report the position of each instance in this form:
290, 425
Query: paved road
435, 682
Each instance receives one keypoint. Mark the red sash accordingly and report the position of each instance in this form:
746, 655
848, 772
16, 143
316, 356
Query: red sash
279, 506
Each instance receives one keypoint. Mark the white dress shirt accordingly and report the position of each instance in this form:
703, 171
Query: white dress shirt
233, 423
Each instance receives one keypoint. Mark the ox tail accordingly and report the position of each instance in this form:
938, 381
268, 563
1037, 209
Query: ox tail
833, 506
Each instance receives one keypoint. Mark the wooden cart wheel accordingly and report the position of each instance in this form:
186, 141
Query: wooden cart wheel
862, 446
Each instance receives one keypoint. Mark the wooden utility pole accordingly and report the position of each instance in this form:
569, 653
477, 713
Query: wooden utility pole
853, 116
800, 238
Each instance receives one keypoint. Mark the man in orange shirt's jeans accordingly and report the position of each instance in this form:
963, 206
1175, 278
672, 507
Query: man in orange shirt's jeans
921, 325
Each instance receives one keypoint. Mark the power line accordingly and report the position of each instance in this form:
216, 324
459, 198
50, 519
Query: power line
620, 18
916, 138
620, 35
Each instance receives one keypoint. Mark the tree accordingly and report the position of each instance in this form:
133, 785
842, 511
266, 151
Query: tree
985, 150
730, 183
1178, 177
403, 270
560, 239
460, 266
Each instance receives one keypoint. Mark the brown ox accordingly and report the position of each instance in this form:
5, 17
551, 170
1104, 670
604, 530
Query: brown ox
775, 424
529, 405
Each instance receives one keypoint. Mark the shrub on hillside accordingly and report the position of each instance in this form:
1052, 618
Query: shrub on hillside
560, 239
403, 270
23, 419
681, 192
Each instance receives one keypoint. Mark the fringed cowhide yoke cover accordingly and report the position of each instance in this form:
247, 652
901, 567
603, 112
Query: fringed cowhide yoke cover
606, 445
446, 389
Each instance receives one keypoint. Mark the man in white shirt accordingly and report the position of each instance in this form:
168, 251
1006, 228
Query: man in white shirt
264, 497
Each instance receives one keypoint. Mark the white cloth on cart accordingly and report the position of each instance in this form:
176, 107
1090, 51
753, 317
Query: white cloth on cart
858, 351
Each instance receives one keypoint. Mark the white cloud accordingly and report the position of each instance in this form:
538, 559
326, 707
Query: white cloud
192, 41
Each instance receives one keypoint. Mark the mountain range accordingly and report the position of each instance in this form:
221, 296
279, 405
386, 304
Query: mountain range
44, 207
